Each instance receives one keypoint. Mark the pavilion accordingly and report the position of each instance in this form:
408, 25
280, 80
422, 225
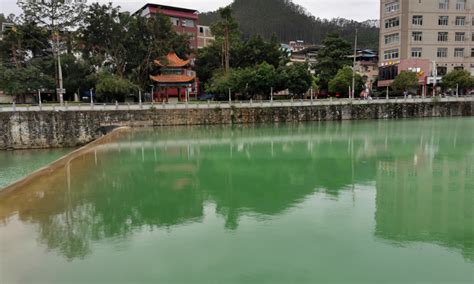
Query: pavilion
176, 79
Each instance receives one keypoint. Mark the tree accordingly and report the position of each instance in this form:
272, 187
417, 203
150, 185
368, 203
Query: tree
256, 50
111, 88
23, 42
331, 58
16, 82
76, 73
208, 60
226, 30
290, 21
458, 78
151, 38
405, 81
245, 54
249, 82
299, 79
126, 45
343, 80
56, 16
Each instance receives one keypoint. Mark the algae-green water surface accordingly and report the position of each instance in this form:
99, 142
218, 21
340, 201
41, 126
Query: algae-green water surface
17, 164
351, 202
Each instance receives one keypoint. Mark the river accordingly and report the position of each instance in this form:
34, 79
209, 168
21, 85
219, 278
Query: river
332, 202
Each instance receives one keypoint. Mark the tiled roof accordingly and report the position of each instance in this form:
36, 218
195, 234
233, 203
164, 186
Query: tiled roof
172, 61
172, 78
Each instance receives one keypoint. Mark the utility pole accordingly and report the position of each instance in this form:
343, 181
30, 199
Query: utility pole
60, 71
435, 75
354, 65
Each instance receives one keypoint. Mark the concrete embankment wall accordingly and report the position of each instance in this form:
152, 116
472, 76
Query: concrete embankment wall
47, 129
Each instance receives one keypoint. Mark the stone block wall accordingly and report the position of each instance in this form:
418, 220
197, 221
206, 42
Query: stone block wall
48, 129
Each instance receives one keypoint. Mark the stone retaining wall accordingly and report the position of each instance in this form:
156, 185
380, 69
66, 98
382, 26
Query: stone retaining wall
48, 129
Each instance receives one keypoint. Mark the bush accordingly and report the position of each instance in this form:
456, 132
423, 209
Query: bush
111, 88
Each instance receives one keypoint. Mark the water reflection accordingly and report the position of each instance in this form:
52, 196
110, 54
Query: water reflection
423, 171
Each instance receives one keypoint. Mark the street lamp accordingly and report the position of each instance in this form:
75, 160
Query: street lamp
140, 96
39, 97
152, 93
90, 93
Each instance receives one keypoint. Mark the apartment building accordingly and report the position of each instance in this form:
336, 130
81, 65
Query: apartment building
185, 21
429, 37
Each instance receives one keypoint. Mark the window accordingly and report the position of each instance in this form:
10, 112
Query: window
442, 52
472, 36
443, 36
458, 68
175, 21
188, 23
392, 7
461, 5
417, 20
388, 73
459, 52
443, 20
201, 30
390, 54
391, 23
417, 36
441, 70
460, 21
472, 52
444, 4
460, 36
392, 38
416, 52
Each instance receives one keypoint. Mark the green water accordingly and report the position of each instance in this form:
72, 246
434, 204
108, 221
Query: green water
15, 165
362, 202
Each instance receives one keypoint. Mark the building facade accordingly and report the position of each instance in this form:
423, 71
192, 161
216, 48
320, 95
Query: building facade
205, 37
429, 37
185, 21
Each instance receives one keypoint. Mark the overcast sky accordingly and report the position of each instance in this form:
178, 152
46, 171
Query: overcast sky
351, 9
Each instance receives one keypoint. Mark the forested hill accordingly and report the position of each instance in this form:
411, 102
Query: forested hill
290, 21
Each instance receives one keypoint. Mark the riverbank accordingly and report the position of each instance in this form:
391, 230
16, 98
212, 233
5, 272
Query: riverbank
30, 128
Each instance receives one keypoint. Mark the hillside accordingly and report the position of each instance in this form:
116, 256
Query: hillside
292, 22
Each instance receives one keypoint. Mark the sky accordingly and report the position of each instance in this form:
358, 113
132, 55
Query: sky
359, 10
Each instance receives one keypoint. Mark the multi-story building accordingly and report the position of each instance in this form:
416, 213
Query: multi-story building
429, 37
185, 21
205, 37
367, 66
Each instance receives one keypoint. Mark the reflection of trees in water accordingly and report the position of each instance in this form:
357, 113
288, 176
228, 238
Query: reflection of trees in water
69, 233
114, 192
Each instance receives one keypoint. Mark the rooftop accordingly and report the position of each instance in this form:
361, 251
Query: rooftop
159, 6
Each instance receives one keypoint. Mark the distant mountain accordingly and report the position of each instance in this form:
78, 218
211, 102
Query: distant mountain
290, 21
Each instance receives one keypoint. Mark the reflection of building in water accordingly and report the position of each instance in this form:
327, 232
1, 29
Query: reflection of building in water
419, 201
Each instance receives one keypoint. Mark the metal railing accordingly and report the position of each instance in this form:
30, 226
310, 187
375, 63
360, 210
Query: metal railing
223, 104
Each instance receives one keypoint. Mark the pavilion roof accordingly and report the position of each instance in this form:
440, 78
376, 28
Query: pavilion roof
171, 78
172, 60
